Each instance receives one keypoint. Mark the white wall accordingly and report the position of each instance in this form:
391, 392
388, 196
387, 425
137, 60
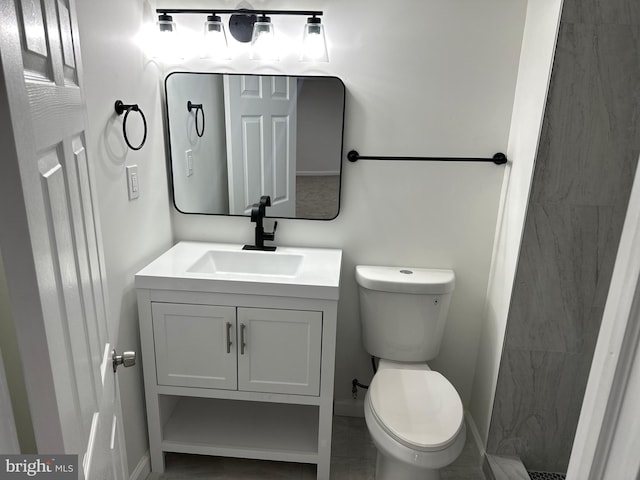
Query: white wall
205, 190
134, 232
538, 46
422, 78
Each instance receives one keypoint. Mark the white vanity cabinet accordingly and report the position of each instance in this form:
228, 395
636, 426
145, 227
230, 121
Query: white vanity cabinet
238, 367
249, 349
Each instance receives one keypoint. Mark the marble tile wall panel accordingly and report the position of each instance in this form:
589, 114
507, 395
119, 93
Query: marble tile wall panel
539, 398
589, 147
564, 272
590, 140
620, 12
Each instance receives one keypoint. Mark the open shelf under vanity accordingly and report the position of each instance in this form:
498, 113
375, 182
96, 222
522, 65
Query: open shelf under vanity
237, 428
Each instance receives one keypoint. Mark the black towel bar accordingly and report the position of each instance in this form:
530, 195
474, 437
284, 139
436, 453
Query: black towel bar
498, 158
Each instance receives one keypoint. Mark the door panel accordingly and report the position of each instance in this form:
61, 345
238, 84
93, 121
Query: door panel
34, 31
68, 55
249, 174
282, 351
75, 179
278, 170
94, 255
78, 356
191, 345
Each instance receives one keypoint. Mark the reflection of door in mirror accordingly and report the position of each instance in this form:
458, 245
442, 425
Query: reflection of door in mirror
261, 142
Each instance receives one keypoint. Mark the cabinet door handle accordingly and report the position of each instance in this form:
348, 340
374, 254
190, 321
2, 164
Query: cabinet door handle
242, 344
229, 337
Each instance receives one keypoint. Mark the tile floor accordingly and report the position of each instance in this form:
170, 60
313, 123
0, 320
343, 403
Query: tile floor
353, 458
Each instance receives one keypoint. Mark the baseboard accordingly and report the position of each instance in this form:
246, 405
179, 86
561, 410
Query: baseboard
475, 434
143, 469
487, 471
348, 407
505, 468
326, 173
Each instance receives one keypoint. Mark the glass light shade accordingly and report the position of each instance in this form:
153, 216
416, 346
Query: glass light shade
215, 44
314, 44
165, 24
167, 43
263, 41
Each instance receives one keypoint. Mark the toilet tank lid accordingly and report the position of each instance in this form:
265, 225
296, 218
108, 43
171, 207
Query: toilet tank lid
429, 281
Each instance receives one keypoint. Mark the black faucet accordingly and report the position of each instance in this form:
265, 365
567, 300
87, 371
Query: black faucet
257, 216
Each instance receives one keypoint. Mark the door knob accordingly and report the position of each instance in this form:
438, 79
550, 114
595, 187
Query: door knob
127, 359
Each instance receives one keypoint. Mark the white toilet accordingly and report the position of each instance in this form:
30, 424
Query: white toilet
414, 414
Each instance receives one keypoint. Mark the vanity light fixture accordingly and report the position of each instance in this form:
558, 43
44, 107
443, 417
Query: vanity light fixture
314, 44
253, 26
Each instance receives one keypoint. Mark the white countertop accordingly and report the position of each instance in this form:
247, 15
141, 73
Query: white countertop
318, 275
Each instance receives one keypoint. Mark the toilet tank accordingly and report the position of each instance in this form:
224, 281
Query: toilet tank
403, 311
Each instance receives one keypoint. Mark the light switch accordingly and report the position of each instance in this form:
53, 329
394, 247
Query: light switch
189, 157
133, 185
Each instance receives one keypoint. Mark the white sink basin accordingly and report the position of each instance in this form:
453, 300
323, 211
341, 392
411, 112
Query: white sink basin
247, 262
226, 268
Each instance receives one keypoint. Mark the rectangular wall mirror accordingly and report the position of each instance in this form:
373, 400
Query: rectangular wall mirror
234, 138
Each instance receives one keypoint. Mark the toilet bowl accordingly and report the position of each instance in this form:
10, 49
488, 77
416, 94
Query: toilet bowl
416, 421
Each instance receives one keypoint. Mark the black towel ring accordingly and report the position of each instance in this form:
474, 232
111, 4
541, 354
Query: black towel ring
126, 109
197, 107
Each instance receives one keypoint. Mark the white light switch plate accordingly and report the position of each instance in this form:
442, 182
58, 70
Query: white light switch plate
189, 158
133, 186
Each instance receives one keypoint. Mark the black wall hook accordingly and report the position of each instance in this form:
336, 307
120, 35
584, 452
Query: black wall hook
198, 108
498, 158
121, 108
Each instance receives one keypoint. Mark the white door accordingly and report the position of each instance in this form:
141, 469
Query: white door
195, 345
261, 115
50, 239
279, 351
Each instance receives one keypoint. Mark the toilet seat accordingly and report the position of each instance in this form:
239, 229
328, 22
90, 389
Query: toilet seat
418, 408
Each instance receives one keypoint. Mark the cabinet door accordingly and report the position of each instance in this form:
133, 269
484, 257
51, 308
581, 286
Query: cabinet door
281, 352
195, 345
